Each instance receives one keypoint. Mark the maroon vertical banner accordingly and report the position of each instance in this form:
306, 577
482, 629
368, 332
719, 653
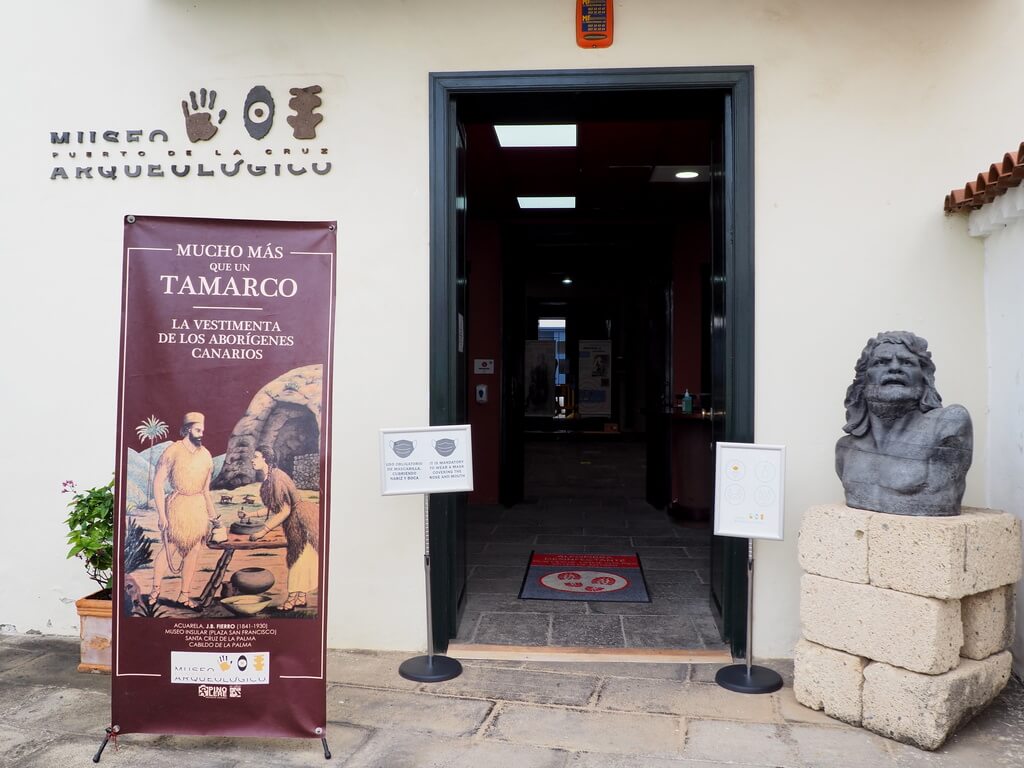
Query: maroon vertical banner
223, 477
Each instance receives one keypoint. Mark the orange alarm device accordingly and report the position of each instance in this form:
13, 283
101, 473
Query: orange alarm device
593, 23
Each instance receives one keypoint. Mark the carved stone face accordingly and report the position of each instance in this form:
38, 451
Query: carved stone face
893, 374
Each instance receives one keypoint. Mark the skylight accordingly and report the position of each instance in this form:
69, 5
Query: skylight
536, 135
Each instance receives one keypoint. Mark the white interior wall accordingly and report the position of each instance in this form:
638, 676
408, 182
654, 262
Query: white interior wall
864, 119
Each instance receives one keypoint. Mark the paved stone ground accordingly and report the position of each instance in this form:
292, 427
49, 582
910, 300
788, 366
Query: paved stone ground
500, 714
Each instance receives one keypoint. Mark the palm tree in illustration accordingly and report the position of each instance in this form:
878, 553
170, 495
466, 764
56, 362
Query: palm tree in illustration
151, 429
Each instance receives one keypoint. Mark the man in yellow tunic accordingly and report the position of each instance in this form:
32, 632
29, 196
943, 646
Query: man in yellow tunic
185, 513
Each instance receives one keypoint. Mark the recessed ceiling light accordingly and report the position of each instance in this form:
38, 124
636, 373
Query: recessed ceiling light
566, 280
547, 202
536, 135
678, 173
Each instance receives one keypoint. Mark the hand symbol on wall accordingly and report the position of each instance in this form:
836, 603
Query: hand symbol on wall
199, 125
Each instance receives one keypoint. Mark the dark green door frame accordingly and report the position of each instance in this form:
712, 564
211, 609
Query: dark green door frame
445, 88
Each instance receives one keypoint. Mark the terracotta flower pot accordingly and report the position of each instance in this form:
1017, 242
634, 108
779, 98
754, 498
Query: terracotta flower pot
95, 614
252, 581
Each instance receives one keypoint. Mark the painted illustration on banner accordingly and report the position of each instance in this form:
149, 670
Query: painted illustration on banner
264, 488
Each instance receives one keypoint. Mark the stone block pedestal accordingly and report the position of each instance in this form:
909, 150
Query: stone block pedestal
905, 621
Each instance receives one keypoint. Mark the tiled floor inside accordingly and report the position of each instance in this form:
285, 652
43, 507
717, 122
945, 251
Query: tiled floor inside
587, 496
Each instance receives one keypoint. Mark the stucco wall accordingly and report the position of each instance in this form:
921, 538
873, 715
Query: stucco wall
860, 130
1004, 316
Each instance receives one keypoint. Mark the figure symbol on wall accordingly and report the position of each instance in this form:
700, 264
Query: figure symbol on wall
199, 124
305, 101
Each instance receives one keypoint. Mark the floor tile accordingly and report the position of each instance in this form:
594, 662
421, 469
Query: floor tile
514, 629
660, 632
593, 631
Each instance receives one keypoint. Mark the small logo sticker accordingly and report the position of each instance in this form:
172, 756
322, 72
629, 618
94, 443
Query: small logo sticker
216, 670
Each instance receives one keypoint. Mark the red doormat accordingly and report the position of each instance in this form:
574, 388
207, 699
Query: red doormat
603, 578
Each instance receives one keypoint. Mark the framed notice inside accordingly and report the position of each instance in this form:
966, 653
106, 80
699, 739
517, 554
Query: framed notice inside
750, 490
595, 377
426, 460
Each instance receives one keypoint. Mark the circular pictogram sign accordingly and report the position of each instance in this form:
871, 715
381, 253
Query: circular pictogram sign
584, 581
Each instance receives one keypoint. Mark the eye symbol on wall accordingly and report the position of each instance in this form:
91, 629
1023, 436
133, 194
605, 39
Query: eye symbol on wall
242, 663
445, 447
403, 448
258, 112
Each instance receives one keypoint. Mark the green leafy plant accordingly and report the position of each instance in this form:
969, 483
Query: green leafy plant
91, 529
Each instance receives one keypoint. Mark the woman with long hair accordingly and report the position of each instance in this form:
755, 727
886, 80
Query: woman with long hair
300, 521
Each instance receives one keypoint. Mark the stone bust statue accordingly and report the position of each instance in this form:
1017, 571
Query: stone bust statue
903, 453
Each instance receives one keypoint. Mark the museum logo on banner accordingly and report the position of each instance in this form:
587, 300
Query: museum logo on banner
191, 148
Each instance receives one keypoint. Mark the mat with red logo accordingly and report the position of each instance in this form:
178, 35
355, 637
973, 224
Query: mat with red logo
610, 578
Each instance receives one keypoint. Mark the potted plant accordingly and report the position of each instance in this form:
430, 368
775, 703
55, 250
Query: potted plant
91, 536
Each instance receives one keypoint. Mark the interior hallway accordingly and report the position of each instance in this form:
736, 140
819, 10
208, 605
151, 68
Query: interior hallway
587, 495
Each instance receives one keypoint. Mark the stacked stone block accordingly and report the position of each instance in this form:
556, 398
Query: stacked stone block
905, 621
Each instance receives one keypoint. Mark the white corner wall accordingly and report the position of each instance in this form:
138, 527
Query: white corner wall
1001, 224
860, 130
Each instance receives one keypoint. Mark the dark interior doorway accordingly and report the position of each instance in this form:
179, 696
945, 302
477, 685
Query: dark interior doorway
536, 305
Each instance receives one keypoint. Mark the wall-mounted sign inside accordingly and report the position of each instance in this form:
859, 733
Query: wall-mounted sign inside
203, 112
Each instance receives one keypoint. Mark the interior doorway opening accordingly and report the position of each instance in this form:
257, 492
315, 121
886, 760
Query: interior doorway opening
581, 327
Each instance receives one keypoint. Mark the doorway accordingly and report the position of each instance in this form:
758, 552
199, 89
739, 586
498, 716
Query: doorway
629, 220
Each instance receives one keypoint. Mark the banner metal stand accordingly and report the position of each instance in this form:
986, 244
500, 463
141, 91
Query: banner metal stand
748, 678
431, 668
113, 730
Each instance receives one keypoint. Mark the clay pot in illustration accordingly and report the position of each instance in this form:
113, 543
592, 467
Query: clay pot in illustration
252, 581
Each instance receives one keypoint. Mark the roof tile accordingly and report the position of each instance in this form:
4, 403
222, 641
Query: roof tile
1000, 177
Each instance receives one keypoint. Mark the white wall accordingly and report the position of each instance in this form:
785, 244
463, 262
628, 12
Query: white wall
1003, 230
866, 114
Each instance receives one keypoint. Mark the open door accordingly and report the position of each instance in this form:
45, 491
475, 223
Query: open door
448, 405
730, 379
731, 326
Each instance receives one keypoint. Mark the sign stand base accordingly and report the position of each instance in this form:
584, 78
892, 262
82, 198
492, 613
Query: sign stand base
430, 669
743, 679
747, 678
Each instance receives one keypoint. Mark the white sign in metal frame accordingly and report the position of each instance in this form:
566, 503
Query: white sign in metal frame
426, 460
750, 490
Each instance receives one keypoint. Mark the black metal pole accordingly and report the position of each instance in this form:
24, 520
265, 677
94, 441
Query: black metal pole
99, 752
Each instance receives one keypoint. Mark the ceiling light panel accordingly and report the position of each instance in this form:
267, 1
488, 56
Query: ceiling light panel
546, 202
536, 135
